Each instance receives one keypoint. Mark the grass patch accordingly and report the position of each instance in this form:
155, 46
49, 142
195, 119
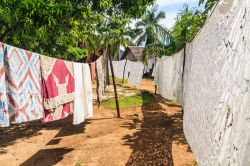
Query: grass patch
130, 102
118, 80
173, 102
108, 91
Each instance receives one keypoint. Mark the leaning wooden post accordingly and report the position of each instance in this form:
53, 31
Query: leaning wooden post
183, 69
97, 85
107, 70
113, 78
155, 69
124, 70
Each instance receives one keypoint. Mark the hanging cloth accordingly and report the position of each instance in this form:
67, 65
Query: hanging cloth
136, 73
4, 114
58, 88
78, 115
87, 92
101, 78
20, 74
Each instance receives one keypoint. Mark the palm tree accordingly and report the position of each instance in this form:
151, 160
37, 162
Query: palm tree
151, 31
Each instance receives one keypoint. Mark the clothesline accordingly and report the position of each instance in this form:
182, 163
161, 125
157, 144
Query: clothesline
35, 87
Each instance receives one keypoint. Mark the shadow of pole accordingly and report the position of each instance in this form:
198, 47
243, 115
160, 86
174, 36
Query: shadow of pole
153, 144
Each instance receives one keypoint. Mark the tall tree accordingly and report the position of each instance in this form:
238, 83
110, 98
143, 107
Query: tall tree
188, 24
60, 28
151, 31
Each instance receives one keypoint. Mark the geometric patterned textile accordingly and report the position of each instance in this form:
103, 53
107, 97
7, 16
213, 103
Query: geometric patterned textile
57, 88
4, 115
23, 85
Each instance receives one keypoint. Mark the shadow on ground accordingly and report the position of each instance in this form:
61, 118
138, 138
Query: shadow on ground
9, 135
47, 157
152, 145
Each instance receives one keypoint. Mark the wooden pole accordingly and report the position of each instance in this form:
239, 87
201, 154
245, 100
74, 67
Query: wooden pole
155, 69
97, 86
107, 71
113, 78
184, 63
124, 70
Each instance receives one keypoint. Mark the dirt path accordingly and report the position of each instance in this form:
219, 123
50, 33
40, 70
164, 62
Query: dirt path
151, 135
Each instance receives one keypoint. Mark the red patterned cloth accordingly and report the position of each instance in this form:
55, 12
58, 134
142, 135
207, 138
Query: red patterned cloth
58, 88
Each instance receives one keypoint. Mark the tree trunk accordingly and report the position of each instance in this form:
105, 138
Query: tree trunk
183, 69
107, 71
97, 86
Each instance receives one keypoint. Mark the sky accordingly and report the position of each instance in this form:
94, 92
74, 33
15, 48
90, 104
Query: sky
171, 8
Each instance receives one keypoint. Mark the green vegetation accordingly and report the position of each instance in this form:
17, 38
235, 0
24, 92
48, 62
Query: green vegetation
78, 163
119, 80
188, 24
130, 102
173, 102
209, 4
67, 29
72, 29
152, 33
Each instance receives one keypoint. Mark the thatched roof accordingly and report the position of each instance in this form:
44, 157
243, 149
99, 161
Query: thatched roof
133, 53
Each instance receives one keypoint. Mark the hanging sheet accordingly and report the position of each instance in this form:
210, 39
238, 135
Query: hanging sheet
87, 92
118, 67
216, 96
58, 88
168, 76
135, 72
78, 115
21, 77
4, 115
101, 77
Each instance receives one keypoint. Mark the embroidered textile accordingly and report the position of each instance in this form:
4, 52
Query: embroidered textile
58, 88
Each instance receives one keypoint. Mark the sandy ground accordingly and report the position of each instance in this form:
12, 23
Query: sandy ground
151, 135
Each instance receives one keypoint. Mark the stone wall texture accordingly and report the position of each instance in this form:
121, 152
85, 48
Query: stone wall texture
216, 87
